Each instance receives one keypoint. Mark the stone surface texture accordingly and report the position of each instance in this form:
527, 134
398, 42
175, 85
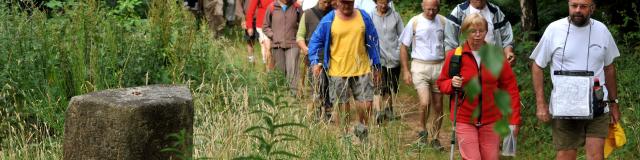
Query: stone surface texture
129, 123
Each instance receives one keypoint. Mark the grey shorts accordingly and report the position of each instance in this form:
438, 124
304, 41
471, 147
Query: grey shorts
341, 88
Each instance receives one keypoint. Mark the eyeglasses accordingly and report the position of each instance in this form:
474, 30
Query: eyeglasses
474, 31
431, 10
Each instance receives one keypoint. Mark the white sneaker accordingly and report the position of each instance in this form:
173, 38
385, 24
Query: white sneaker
251, 59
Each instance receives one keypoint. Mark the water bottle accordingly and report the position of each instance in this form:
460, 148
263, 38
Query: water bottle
598, 98
597, 91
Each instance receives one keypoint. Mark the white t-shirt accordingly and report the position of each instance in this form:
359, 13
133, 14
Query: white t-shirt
429, 38
489, 17
602, 48
476, 55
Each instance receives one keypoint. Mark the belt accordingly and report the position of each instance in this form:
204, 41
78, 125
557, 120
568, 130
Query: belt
427, 61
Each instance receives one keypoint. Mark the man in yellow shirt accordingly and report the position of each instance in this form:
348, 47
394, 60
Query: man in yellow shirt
349, 41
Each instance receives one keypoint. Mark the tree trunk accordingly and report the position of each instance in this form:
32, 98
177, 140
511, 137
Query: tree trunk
529, 19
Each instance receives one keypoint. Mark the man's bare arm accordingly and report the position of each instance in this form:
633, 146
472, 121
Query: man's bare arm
612, 88
542, 108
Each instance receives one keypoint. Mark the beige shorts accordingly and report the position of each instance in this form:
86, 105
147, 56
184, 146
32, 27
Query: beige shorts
425, 74
262, 37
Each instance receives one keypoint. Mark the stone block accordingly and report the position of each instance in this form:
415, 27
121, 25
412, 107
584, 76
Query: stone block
129, 123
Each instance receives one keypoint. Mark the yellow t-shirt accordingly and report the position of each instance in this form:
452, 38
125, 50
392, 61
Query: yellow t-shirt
348, 52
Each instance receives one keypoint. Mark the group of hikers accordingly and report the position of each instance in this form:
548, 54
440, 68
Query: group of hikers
358, 49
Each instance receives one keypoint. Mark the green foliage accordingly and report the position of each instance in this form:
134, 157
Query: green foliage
126, 13
492, 58
182, 147
472, 88
272, 132
47, 58
503, 101
54, 4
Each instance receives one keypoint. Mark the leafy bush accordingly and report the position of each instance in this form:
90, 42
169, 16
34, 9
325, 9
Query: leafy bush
47, 58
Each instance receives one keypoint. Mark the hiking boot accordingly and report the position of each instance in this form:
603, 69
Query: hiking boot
327, 114
435, 144
388, 113
422, 136
361, 131
380, 117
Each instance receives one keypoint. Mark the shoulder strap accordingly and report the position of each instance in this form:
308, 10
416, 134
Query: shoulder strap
299, 11
442, 23
442, 20
296, 5
414, 27
272, 6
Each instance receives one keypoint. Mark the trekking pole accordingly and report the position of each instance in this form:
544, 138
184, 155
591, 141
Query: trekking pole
455, 119
454, 69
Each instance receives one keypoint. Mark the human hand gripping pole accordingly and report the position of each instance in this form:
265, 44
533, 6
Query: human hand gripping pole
454, 71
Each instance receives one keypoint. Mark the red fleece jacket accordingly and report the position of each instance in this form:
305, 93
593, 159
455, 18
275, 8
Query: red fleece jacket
261, 7
469, 70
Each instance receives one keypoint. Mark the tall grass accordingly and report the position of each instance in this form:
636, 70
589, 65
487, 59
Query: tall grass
46, 58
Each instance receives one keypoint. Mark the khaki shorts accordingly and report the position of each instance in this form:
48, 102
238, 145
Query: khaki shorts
425, 74
571, 134
360, 86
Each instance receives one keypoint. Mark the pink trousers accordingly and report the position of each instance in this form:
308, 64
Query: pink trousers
477, 143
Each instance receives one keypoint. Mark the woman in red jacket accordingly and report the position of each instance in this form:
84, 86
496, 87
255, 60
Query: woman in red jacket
475, 135
257, 9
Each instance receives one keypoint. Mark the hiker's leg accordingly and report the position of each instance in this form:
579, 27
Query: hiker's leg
436, 105
362, 88
279, 59
467, 139
337, 91
292, 57
424, 102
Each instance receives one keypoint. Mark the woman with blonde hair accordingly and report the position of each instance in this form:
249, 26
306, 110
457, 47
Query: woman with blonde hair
475, 134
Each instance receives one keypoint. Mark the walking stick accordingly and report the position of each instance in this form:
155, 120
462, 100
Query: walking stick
455, 119
454, 69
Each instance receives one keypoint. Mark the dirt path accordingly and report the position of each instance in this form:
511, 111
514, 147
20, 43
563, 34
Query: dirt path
406, 107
